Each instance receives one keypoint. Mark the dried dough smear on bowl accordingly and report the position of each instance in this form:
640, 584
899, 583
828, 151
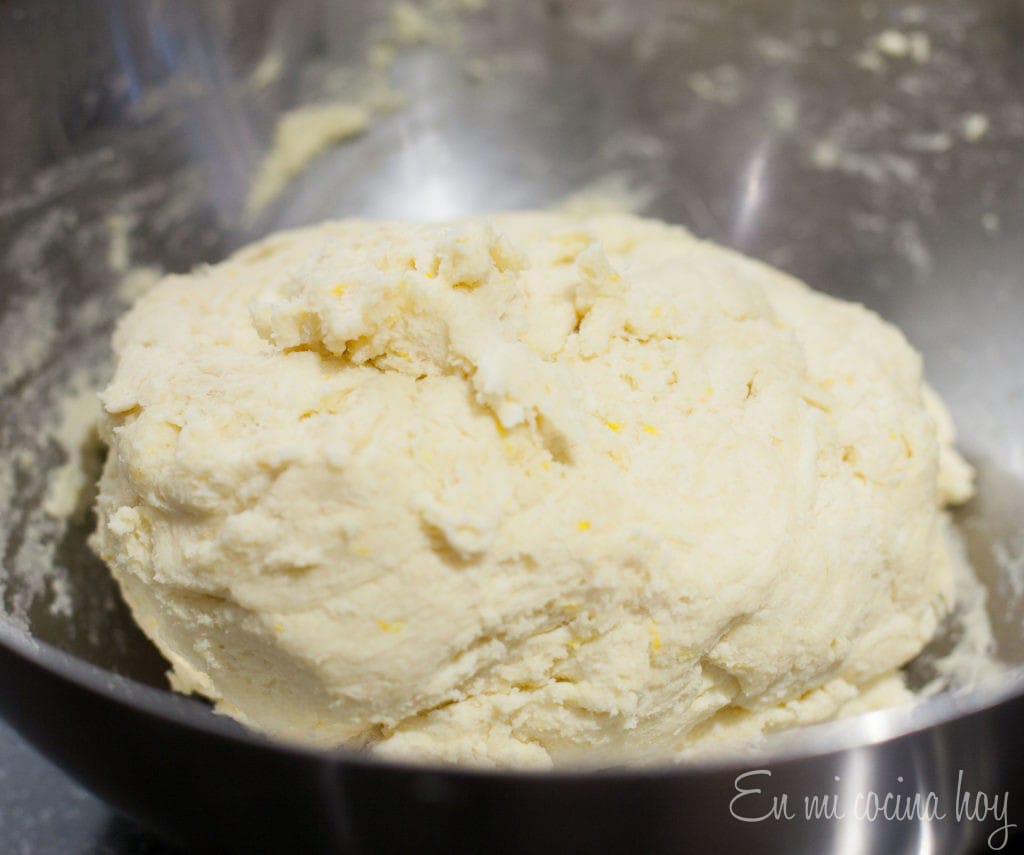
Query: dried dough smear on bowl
523, 489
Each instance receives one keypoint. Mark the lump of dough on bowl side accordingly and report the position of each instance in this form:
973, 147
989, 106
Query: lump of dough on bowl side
523, 490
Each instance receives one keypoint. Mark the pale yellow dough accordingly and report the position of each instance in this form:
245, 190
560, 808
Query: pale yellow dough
524, 490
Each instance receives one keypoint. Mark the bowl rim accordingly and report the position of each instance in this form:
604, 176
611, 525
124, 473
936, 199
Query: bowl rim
815, 741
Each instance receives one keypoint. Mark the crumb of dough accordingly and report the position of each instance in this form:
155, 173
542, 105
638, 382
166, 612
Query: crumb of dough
302, 134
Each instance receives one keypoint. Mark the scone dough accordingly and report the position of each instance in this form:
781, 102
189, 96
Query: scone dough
523, 490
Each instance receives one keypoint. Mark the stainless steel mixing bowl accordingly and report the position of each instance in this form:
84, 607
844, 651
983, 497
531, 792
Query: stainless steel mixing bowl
875, 149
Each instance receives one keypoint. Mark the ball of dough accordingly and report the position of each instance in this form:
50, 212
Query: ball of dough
522, 490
